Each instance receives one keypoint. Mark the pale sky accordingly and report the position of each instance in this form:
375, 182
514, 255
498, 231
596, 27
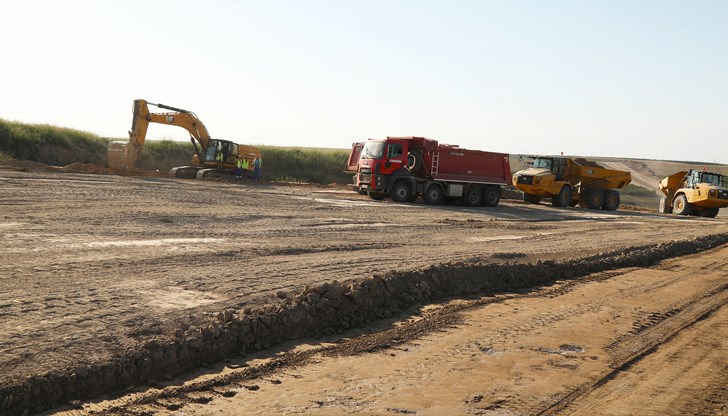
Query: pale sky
627, 78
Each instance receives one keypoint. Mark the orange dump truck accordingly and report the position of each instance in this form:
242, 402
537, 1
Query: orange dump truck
568, 182
694, 192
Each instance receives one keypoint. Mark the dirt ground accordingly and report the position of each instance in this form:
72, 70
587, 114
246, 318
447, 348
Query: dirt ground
648, 341
97, 266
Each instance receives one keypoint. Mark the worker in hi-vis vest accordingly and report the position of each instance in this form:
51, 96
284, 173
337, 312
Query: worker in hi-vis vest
239, 168
245, 168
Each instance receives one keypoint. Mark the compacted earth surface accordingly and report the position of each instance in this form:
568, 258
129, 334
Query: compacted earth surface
102, 273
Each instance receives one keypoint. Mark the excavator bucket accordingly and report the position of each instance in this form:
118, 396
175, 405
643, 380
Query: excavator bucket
123, 155
117, 157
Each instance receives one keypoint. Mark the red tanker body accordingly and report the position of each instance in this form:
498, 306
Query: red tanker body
405, 167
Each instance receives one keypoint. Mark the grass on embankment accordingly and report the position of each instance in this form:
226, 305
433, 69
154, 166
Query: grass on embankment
61, 146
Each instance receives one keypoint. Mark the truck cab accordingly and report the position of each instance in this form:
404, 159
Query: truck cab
381, 161
545, 178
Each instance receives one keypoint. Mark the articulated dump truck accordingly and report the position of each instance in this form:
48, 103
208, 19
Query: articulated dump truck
694, 192
403, 168
568, 182
212, 157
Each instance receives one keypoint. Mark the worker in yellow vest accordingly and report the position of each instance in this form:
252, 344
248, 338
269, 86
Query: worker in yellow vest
245, 168
239, 168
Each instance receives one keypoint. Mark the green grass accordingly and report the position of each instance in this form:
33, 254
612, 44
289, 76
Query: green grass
637, 191
50, 144
297, 165
61, 146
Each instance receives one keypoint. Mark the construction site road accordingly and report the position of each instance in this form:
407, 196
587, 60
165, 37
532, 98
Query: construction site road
96, 266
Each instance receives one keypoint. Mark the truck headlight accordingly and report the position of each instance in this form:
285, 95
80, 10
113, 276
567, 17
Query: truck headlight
713, 193
536, 180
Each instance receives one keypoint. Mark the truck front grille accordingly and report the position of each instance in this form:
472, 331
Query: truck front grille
365, 177
526, 180
723, 194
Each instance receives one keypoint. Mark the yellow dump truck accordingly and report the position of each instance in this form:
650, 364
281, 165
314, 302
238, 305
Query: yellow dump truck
570, 182
694, 192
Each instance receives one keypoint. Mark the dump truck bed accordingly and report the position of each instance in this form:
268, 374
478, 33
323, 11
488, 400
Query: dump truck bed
472, 166
601, 178
672, 182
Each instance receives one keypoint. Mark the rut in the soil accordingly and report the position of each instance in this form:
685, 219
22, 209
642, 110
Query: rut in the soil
325, 309
630, 350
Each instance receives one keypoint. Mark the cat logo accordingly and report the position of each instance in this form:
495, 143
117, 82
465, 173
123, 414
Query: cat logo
170, 119
589, 172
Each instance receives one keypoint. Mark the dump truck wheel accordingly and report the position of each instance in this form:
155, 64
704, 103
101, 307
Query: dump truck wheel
563, 198
376, 196
473, 196
595, 199
531, 199
433, 195
664, 207
681, 206
710, 212
611, 200
401, 192
584, 197
491, 196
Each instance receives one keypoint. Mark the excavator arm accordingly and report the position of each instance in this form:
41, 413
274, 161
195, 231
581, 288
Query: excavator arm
124, 155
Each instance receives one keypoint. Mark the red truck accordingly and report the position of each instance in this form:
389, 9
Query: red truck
405, 167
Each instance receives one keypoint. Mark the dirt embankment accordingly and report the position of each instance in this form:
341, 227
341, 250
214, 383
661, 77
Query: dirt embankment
594, 345
328, 308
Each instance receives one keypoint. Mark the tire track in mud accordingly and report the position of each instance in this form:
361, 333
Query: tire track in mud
685, 375
627, 352
357, 302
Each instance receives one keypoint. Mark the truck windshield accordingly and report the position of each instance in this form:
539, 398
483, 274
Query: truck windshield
542, 163
373, 150
713, 179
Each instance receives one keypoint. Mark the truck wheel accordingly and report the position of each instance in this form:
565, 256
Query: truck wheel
681, 206
401, 192
414, 161
473, 196
433, 195
491, 196
563, 198
711, 212
531, 199
611, 200
376, 196
595, 200
664, 207
584, 197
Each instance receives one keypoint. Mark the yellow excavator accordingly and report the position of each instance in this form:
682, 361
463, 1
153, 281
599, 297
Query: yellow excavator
212, 157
